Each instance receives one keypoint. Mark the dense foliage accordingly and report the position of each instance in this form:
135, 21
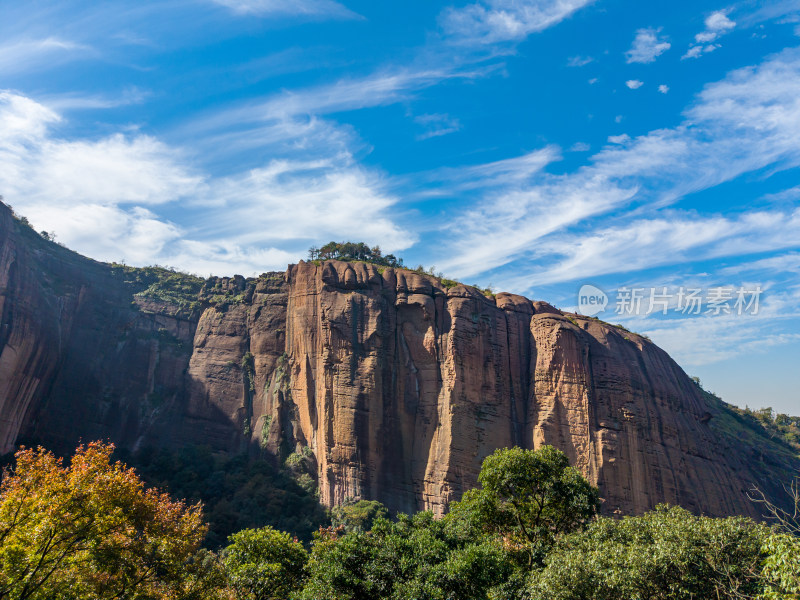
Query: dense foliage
350, 251
91, 530
358, 516
264, 563
667, 553
529, 498
778, 426
414, 557
237, 492
165, 284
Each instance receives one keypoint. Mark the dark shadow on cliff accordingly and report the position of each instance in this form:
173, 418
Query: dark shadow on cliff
237, 491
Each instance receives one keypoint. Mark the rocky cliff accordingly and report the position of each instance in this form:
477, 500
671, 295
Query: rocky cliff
396, 386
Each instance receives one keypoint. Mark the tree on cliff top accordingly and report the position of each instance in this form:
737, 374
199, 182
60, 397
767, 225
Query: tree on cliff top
351, 251
91, 530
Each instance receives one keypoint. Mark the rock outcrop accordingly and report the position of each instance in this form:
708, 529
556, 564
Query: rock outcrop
398, 385
403, 387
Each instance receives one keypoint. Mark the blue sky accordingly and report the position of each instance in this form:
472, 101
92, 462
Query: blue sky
531, 145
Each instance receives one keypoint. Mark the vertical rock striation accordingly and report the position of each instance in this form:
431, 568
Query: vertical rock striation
402, 387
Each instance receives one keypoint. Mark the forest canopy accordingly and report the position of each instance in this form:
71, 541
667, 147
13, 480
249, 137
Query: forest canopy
91, 529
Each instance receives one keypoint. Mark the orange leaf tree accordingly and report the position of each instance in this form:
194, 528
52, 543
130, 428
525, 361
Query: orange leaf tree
92, 530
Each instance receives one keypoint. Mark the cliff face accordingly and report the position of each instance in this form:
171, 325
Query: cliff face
399, 386
403, 387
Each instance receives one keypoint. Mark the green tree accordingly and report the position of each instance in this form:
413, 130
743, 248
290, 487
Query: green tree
353, 251
264, 564
781, 568
358, 516
529, 497
416, 557
665, 554
91, 530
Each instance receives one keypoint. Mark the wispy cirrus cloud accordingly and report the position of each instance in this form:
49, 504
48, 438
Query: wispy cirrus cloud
487, 176
278, 8
648, 45
436, 125
497, 21
22, 55
580, 61
740, 124
109, 197
78, 101
673, 238
711, 339
346, 94
300, 123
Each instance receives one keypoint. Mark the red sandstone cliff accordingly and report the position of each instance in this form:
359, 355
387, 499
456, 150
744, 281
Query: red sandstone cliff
403, 387
399, 386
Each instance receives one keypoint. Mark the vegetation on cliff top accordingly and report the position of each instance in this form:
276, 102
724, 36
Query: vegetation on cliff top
755, 427
361, 252
529, 532
354, 251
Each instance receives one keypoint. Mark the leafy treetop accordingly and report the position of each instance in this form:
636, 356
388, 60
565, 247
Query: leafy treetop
353, 251
91, 530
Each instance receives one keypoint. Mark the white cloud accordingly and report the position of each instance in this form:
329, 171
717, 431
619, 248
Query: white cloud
693, 52
695, 342
619, 139
102, 197
493, 21
74, 101
772, 10
663, 88
790, 194
377, 89
115, 169
319, 199
712, 338
673, 239
705, 36
717, 25
497, 174
579, 61
24, 55
580, 147
634, 84
647, 46
314, 8
719, 21
740, 124
436, 125
105, 231
782, 263
22, 120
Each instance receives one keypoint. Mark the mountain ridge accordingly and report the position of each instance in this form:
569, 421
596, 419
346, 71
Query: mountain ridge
394, 385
